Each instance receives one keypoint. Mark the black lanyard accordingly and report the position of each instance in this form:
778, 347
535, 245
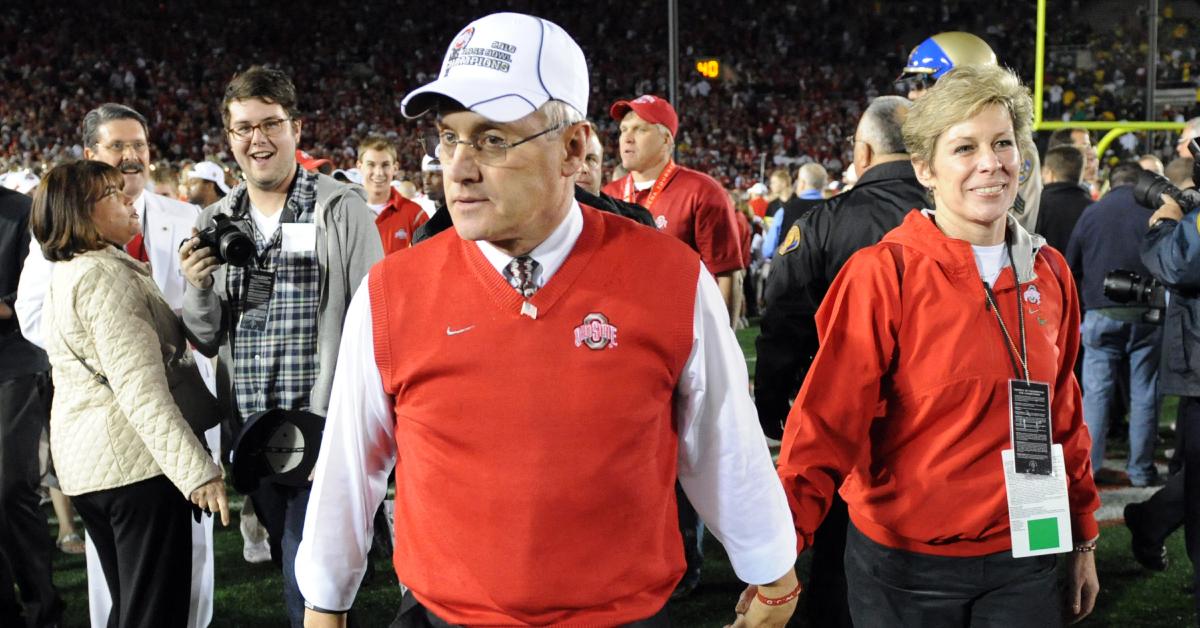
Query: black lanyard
1009, 347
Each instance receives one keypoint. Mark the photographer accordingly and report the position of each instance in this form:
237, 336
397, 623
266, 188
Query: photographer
1171, 251
1114, 333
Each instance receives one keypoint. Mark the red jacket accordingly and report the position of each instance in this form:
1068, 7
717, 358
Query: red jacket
398, 222
907, 399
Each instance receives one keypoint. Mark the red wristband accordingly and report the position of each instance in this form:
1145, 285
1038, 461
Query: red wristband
780, 601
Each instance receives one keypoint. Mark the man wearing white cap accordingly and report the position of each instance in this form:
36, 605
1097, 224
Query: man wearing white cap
206, 184
539, 404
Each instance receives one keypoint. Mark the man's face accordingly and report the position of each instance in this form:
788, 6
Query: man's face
378, 167
201, 192
123, 145
1181, 147
431, 184
514, 203
591, 177
1082, 140
779, 186
643, 145
268, 162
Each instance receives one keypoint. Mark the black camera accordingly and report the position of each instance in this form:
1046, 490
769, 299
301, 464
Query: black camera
1150, 187
1126, 286
228, 243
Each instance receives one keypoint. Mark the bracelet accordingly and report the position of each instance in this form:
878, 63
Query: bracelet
780, 601
1086, 547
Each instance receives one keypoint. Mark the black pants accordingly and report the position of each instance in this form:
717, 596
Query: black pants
143, 535
825, 602
891, 587
413, 615
25, 545
1188, 423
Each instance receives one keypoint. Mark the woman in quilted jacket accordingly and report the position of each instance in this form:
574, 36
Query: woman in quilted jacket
123, 450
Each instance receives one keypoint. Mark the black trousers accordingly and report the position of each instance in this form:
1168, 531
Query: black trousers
825, 604
25, 545
413, 615
891, 587
143, 535
1188, 423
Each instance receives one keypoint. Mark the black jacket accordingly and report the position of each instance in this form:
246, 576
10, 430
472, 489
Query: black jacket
801, 273
1062, 205
1171, 251
18, 356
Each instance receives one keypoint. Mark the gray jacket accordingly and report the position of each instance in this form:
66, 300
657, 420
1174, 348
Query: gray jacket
347, 246
1171, 251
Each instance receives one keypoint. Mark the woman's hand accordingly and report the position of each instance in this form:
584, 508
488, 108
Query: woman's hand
1082, 585
210, 497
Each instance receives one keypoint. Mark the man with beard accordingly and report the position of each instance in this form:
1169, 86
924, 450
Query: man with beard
206, 183
396, 217
277, 322
118, 135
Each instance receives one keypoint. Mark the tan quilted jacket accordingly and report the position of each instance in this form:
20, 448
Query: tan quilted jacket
106, 305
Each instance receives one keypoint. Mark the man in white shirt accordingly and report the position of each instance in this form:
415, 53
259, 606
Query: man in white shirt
505, 504
117, 135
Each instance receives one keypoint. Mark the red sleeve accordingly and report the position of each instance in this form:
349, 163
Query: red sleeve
826, 431
716, 229
1069, 427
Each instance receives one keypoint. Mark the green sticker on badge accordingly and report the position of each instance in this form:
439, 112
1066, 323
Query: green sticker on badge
1043, 534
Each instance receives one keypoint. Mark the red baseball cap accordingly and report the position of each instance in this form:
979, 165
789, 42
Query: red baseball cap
308, 162
649, 108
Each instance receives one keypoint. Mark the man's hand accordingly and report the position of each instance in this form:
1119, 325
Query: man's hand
6, 312
1170, 210
198, 264
752, 613
211, 498
317, 619
1082, 585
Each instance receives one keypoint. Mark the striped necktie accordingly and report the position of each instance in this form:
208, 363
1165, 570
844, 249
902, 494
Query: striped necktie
519, 273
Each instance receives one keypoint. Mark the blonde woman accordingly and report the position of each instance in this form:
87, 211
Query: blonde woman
925, 337
121, 447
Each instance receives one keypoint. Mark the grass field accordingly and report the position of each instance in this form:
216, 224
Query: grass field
250, 595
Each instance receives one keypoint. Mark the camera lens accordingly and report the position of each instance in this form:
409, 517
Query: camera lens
1122, 286
236, 247
1149, 189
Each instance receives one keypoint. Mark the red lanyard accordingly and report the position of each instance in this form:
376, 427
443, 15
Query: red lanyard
664, 177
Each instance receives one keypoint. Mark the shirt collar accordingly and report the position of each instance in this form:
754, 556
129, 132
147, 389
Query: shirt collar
810, 195
550, 254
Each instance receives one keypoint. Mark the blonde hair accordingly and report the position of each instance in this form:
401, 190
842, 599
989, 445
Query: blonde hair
959, 96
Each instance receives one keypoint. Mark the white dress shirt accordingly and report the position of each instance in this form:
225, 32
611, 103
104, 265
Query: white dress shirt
724, 464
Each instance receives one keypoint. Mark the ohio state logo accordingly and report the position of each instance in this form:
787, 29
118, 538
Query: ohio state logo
596, 332
660, 222
644, 99
460, 42
1032, 296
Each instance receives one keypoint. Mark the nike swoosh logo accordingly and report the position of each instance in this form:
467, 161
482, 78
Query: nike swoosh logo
455, 332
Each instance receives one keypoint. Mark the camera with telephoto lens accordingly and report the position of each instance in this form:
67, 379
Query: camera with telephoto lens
1150, 187
1126, 286
228, 243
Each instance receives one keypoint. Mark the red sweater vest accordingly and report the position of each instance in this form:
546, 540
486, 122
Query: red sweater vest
536, 457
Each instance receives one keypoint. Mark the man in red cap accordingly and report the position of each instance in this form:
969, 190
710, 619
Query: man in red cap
687, 204
691, 206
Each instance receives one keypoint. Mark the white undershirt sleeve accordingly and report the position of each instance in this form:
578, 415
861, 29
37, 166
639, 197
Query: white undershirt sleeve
351, 475
724, 464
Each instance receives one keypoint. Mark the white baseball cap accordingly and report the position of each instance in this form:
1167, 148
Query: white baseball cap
506, 65
209, 171
429, 164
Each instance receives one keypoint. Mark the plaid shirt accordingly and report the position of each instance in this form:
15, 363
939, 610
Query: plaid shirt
277, 366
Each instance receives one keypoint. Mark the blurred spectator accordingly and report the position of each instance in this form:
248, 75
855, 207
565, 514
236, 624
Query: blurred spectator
1063, 198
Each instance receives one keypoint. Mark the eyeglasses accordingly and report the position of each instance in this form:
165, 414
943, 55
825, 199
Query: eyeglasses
119, 146
490, 148
270, 127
